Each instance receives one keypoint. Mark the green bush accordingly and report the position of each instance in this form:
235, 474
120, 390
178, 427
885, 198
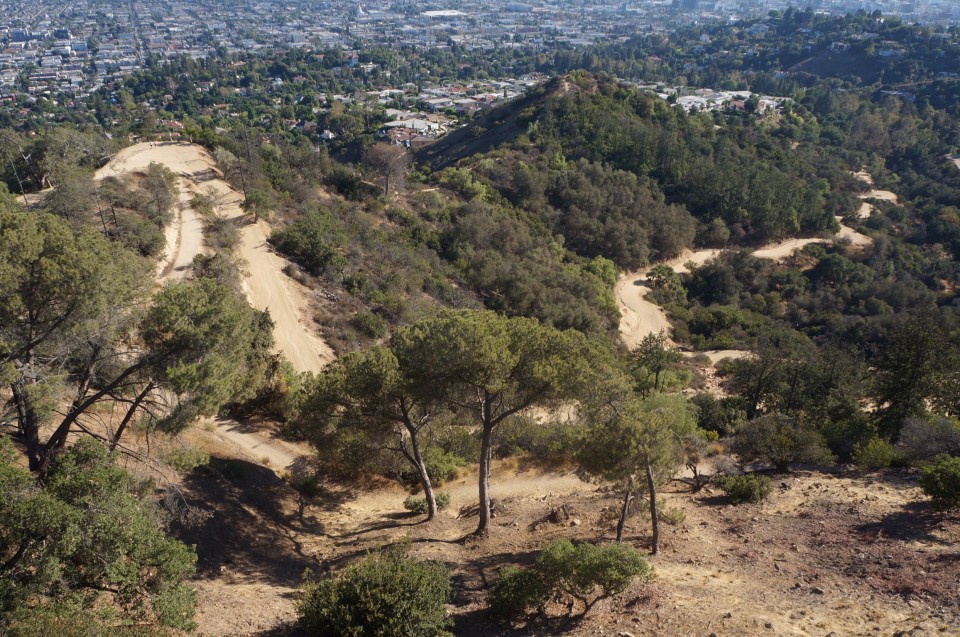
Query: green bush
781, 441
517, 591
526, 437
419, 505
312, 240
307, 486
369, 324
187, 459
441, 467
385, 595
745, 488
90, 530
585, 573
941, 481
70, 620
876, 453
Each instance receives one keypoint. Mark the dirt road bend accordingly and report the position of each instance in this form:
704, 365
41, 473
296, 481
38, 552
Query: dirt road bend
264, 282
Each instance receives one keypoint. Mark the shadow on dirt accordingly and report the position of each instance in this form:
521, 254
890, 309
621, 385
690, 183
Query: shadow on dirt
916, 521
258, 521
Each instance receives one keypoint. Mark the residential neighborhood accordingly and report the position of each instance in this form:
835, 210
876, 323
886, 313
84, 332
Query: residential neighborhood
76, 47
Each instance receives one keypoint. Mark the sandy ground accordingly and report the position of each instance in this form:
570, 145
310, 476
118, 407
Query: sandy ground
184, 237
179, 158
866, 208
784, 249
717, 355
638, 316
846, 553
849, 234
864, 176
268, 288
264, 282
253, 444
955, 158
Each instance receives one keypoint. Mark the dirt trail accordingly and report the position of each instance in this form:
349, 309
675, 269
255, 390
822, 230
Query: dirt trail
184, 235
640, 317
866, 208
264, 282
268, 288
186, 240
253, 443
845, 553
955, 158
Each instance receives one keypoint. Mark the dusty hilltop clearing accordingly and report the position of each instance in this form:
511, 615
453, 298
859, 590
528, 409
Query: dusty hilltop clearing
842, 554
845, 553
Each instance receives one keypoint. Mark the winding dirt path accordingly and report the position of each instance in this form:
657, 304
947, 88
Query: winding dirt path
184, 235
264, 282
268, 288
640, 317
867, 208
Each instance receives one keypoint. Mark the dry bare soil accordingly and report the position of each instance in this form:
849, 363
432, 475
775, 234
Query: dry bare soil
845, 553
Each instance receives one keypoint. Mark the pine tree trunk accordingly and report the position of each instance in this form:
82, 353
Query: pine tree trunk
29, 423
128, 417
623, 510
485, 458
424, 475
654, 515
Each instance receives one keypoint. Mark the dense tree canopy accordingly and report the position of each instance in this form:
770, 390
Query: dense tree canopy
89, 534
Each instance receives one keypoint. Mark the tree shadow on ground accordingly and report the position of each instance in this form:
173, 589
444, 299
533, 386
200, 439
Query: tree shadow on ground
916, 521
257, 525
385, 526
291, 629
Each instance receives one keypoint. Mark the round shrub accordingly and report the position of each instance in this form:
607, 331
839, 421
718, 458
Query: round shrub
583, 572
876, 453
185, 460
517, 591
369, 324
385, 595
419, 505
745, 488
941, 481
441, 467
780, 441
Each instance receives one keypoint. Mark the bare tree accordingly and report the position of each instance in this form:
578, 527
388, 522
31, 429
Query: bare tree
389, 161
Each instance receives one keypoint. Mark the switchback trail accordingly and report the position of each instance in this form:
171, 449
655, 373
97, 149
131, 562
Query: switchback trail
264, 282
640, 317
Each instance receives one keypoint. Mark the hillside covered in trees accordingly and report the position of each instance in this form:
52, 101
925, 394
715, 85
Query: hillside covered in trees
464, 311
